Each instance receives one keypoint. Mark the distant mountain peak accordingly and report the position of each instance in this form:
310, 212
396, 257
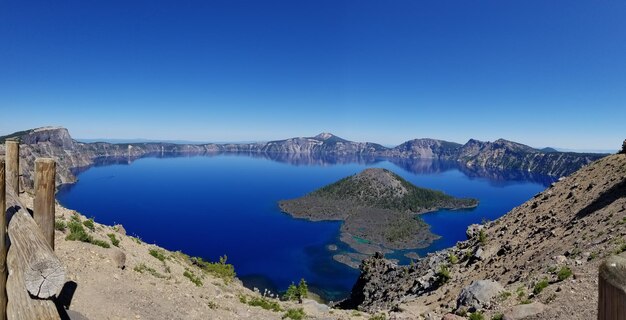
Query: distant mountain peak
325, 136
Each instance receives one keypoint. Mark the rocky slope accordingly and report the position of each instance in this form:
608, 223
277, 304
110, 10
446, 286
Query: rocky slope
475, 155
540, 260
378, 206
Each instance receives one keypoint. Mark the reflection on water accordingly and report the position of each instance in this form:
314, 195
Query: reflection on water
415, 166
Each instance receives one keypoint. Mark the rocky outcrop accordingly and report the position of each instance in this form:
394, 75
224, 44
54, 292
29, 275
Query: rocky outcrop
478, 295
531, 251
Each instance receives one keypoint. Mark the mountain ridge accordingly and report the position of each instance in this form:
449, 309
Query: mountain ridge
56, 142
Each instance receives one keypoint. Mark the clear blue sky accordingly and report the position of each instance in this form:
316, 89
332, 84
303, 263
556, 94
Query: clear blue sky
544, 73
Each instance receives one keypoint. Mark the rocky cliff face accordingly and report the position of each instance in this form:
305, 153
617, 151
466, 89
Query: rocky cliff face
56, 142
567, 229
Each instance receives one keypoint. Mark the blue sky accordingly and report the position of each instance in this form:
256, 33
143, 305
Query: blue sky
544, 73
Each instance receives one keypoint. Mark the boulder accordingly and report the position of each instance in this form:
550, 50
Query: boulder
473, 231
119, 258
478, 294
524, 311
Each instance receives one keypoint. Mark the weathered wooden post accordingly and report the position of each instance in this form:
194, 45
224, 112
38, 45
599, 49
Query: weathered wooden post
45, 172
13, 165
612, 289
4, 271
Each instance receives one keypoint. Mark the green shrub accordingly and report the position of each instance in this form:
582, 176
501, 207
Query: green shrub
292, 293
453, 258
297, 293
193, 278
521, 293
141, 268
539, 286
157, 254
497, 316
380, 316
89, 224
100, 243
59, 225
295, 314
564, 273
77, 232
443, 275
303, 290
136, 239
482, 237
263, 302
114, 240
476, 316
221, 269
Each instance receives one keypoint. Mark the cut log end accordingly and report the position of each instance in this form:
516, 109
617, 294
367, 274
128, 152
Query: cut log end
44, 279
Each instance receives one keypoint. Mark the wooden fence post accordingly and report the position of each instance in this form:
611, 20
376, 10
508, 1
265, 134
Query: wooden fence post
4, 271
13, 165
612, 289
45, 172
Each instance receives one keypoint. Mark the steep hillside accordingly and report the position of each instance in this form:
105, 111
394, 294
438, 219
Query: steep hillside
529, 252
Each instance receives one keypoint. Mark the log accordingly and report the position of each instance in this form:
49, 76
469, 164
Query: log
3, 244
12, 156
45, 171
612, 289
33, 267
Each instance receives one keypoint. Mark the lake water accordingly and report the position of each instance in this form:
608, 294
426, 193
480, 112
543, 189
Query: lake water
210, 206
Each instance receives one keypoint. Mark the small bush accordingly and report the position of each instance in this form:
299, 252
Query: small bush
77, 232
497, 316
380, 316
114, 240
564, 273
136, 239
100, 243
482, 237
221, 269
476, 316
157, 254
60, 225
443, 275
89, 224
453, 258
539, 286
193, 278
292, 293
521, 293
295, 314
297, 293
141, 268
263, 302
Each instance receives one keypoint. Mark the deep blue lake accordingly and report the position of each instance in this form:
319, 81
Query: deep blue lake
210, 206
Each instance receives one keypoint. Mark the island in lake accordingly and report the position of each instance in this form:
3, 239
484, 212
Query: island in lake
379, 209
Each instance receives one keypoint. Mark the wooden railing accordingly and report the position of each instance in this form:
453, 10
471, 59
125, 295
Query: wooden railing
612, 288
31, 275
